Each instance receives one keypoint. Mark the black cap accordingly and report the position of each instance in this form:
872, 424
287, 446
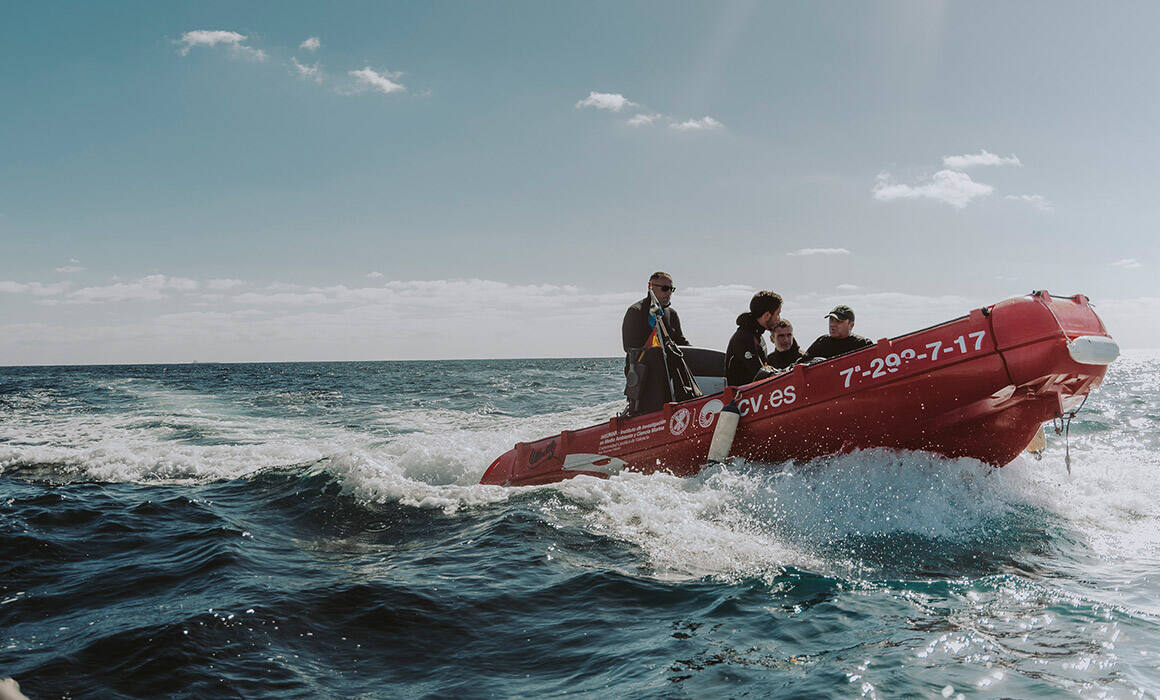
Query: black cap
841, 312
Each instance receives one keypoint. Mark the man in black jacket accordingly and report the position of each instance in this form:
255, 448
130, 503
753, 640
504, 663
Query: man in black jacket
652, 375
841, 339
786, 352
746, 352
635, 329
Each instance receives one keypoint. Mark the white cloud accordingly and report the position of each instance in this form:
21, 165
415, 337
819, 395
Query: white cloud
847, 287
436, 319
887, 314
402, 319
70, 268
820, 251
369, 79
221, 283
147, 288
949, 186
422, 293
374, 275
1127, 264
702, 124
306, 72
643, 119
251, 53
38, 289
614, 102
213, 37
311, 44
983, 157
284, 299
1036, 200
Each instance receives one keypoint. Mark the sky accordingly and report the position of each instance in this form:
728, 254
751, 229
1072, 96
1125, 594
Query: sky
290, 181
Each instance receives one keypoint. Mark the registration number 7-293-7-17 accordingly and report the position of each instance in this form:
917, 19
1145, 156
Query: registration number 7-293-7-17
882, 366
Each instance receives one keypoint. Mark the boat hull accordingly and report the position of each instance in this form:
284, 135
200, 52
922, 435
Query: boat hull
978, 386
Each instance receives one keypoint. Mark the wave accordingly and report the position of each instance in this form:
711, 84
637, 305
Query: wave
867, 509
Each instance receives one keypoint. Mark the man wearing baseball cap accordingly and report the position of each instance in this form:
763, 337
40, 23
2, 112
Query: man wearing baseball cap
841, 339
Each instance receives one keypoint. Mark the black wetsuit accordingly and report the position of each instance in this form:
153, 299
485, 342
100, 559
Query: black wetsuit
828, 346
653, 377
746, 352
635, 329
780, 359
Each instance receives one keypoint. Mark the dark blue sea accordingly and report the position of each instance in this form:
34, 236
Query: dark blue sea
317, 530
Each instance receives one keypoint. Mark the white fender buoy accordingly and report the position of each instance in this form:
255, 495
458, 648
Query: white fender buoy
10, 690
723, 434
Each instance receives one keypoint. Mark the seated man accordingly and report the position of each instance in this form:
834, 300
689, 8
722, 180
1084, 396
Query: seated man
786, 352
841, 339
746, 352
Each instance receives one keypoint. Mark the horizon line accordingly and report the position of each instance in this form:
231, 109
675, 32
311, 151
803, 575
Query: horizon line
300, 362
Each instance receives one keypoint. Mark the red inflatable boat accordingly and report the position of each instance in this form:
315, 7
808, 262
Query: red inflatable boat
978, 386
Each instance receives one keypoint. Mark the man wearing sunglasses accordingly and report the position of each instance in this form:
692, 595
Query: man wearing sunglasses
651, 375
636, 329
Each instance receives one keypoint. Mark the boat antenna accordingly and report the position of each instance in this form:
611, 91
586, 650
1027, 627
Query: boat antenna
657, 313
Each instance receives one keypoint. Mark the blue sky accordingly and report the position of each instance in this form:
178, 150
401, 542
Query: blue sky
497, 180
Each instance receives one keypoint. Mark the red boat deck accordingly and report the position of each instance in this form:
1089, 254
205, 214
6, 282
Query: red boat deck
978, 386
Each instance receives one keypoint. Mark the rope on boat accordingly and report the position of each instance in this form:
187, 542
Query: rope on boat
1064, 428
1064, 421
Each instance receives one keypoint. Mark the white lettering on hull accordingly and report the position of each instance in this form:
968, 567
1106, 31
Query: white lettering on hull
763, 402
879, 367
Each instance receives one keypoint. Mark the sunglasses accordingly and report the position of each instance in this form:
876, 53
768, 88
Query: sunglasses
665, 287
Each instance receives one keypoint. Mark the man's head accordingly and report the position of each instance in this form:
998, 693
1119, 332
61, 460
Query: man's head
841, 321
765, 307
782, 335
661, 286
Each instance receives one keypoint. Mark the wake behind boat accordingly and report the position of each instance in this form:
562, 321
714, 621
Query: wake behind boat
978, 386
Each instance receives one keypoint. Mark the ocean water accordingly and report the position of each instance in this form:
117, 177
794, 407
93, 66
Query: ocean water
318, 530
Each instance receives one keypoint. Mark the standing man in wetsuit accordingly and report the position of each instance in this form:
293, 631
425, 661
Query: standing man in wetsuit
746, 352
841, 339
651, 377
635, 329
